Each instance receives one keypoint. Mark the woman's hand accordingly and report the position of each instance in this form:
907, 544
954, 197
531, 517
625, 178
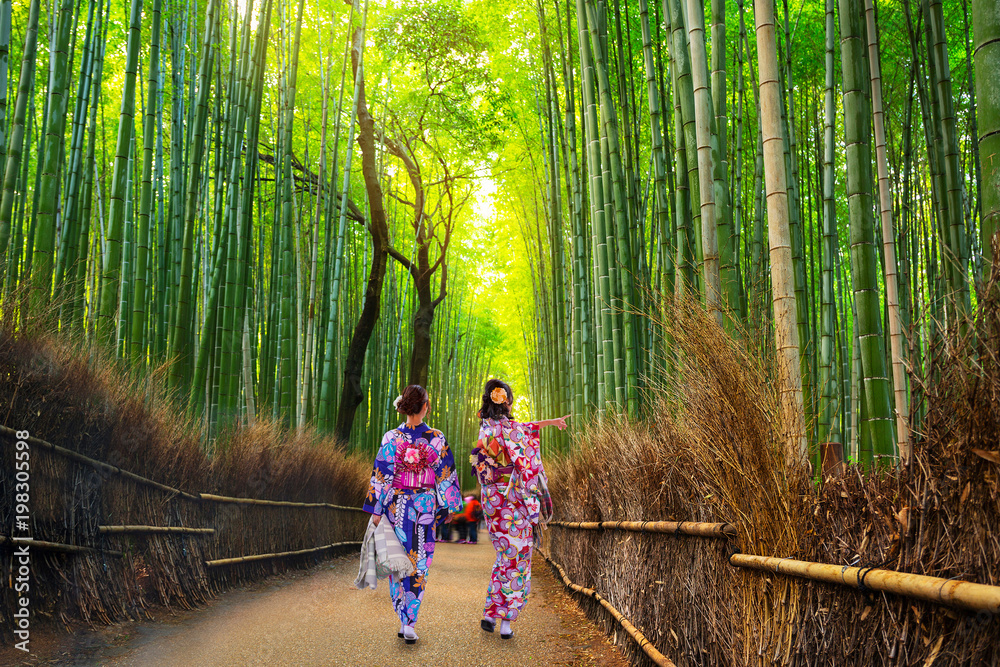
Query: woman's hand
560, 422
376, 518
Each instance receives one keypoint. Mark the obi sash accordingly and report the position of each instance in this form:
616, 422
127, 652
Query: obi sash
505, 473
407, 479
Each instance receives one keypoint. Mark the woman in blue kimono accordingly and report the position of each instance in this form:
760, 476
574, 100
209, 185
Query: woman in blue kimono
413, 485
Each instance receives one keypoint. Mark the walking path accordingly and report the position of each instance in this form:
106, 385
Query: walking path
319, 618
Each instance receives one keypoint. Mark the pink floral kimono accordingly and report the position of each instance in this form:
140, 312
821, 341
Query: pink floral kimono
508, 464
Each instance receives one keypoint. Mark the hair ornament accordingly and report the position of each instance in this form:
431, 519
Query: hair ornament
396, 403
498, 395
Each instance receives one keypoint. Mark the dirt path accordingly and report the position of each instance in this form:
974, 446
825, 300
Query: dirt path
319, 618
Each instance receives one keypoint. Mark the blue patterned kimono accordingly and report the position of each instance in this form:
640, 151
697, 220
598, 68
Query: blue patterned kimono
413, 513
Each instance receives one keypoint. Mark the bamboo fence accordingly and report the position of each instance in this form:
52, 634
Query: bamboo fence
166, 545
951, 592
634, 633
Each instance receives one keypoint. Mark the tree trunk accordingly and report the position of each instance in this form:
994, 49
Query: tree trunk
420, 355
351, 394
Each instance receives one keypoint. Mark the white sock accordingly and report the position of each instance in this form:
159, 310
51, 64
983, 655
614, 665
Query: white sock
409, 632
505, 627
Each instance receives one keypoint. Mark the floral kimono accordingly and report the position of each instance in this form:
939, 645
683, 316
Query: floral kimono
413, 484
508, 464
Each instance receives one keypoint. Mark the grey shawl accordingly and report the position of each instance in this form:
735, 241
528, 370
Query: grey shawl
382, 555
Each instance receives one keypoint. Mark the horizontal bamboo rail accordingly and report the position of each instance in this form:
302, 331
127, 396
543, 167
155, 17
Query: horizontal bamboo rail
98, 465
129, 530
201, 497
693, 528
640, 639
282, 554
963, 594
56, 546
276, 503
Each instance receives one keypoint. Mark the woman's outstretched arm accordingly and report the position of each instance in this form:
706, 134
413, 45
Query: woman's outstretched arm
559, 422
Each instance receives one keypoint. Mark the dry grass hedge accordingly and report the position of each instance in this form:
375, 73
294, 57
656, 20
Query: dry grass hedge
68, 396
710, 453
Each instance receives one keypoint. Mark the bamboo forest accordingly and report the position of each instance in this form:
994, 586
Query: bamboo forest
741, 254
305, 207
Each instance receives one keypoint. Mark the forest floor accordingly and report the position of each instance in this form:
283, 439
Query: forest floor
317, 617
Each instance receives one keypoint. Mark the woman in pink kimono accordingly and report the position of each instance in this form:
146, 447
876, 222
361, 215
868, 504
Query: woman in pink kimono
507, 461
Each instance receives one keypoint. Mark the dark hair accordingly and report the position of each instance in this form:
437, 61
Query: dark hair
491, 410
412, 401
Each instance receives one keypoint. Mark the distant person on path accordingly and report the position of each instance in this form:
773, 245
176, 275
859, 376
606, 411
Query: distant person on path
413, 484
443, 530
461, 528
473, 514
507, 461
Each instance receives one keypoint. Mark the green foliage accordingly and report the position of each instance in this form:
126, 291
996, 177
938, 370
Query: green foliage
479, 86
442, 83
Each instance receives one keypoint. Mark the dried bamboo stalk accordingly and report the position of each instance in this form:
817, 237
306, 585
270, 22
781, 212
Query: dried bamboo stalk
644, 644
693, 528
964, 594
56, 546
282, 554
155, 529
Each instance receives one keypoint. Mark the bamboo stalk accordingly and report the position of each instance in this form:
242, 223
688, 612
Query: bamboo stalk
50, 157
693, 528
888, 242
644, 644
878, 424
15, 147
964, 594
779, 236
57, 546
986, 32
703, 131
282, 554
183, 530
